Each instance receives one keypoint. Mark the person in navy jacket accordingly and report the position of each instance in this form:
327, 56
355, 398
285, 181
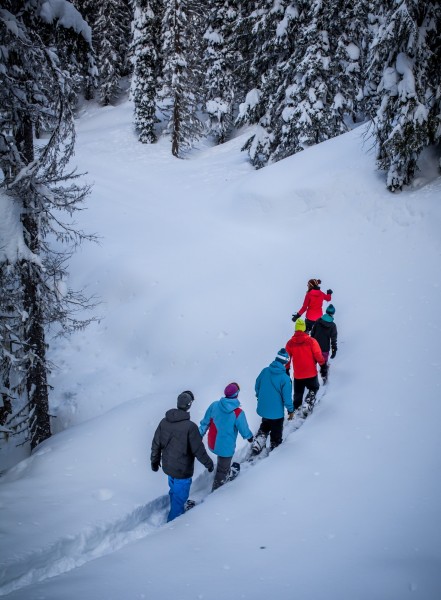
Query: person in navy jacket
223, 420
274, 394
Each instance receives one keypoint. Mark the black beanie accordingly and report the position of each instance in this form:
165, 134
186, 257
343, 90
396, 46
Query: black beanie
185, 400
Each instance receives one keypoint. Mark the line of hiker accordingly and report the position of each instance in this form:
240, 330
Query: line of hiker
178, 441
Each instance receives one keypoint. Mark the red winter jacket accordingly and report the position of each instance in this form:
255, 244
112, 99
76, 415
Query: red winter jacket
313, 304
305, 353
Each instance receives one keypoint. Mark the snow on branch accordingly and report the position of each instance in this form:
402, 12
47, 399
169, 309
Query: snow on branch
66, 15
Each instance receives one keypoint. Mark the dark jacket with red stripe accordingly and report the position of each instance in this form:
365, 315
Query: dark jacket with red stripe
176, 443
223, 421
305, 353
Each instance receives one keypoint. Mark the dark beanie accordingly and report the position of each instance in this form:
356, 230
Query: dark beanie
330, 310
185, 400
282, 356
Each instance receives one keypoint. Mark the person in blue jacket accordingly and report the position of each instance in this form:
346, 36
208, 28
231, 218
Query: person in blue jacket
274, 394
223, 420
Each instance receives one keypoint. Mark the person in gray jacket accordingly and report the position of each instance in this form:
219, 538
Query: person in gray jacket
177, 442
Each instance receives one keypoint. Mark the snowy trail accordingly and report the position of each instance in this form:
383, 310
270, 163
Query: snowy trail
73, 551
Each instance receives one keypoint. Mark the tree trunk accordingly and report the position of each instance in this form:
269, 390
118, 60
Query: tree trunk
176, 127
36, 366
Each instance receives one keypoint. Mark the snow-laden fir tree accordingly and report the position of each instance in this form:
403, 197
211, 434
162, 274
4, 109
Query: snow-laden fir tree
243, 41
314, 81
147, 66
220, 60
317, 91
265, 31
275, 27
404, 84
35, 191
351, 30
111, 37
77, 55
180, 94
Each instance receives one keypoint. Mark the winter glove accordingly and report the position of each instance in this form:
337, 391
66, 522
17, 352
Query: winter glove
155, 467
211, 467
330, 292
290, 416
295, 317
251, 439
333, 353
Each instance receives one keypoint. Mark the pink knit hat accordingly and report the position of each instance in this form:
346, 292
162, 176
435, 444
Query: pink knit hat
232, 390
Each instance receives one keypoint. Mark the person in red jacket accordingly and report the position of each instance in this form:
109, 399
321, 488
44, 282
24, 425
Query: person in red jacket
305, 353
313, 303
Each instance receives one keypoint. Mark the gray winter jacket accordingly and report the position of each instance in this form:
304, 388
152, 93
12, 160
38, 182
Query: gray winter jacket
176, 443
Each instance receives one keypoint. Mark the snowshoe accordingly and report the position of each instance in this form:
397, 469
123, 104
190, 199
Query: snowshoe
310, 398
189, 505
259, 443
234, 471
308, 405
306, 410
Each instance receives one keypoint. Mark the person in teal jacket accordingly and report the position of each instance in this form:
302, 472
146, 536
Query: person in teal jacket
274, 394
223, 420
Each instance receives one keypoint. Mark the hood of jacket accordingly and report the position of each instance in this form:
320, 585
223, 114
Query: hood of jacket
229, 404
326, 320
176, 414
300, 337
277, 367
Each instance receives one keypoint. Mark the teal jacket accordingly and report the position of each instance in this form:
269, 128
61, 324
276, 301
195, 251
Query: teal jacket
274, 391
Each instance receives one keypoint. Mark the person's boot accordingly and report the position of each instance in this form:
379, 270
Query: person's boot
259, 443
308, 406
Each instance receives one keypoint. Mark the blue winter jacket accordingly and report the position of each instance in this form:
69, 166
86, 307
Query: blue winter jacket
274, 391
224, 420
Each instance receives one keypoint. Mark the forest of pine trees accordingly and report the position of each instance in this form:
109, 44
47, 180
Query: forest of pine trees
297, 71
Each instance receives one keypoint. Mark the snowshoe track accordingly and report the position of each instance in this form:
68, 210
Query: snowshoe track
93, 542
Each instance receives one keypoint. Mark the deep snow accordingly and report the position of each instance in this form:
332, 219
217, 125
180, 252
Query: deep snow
201, 263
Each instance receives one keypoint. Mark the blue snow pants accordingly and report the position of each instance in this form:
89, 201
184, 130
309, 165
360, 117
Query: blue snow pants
179, 493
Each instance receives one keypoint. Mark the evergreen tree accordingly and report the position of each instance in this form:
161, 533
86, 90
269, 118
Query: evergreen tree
180, 94
275, 25
313, 105
37, 189
312, 78
243, 43
404, 85
78, 55
265, 31
112, 40
147, 66
351, 32
219, 62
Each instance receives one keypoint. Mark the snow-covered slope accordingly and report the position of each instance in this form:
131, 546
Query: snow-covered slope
201, 264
